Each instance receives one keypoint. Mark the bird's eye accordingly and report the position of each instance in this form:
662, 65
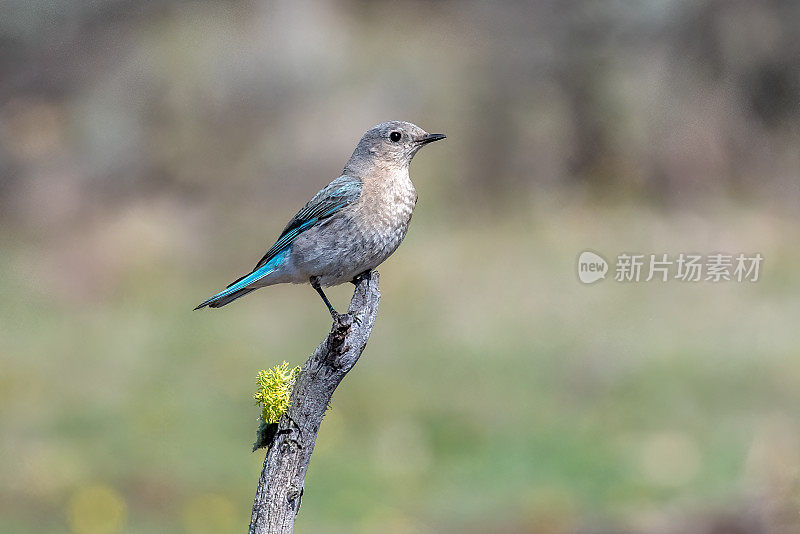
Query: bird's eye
395, 136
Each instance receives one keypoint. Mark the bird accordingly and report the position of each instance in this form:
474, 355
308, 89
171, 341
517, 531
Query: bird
350, 226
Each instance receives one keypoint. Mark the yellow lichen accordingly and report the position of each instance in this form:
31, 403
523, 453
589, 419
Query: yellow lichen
274, 390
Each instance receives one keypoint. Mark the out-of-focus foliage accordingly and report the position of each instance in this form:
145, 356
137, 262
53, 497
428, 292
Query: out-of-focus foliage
151, 150
664, 100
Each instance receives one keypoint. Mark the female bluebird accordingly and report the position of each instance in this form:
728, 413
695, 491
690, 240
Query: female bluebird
351, 226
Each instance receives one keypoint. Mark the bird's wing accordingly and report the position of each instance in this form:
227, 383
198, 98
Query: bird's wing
339, 193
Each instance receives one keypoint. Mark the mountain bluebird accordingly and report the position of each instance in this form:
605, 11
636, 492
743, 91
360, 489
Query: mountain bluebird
351, 226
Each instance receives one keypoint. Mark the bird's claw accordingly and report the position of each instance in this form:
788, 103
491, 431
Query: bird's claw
357, 278
341, 318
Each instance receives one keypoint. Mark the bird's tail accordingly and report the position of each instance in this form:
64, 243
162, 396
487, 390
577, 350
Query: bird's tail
244, 285
218, 302
237, 288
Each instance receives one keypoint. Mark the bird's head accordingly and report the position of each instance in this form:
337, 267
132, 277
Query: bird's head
390, 144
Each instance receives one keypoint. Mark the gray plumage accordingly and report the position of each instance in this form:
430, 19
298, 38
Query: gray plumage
350, 226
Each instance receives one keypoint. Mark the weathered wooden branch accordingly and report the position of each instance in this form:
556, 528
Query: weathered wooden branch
280, 487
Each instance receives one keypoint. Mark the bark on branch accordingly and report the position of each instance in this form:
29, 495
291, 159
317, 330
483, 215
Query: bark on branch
280, 487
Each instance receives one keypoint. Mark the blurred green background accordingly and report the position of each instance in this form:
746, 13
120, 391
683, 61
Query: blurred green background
150, 151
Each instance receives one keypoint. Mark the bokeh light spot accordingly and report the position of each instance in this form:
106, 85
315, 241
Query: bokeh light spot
97, 509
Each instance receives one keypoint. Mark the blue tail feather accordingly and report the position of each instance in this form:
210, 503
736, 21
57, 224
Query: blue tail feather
227, 299
239, 287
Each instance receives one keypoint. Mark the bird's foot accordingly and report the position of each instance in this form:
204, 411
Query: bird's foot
357, 278
342, 319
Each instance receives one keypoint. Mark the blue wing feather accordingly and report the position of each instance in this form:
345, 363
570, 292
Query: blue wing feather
339, 193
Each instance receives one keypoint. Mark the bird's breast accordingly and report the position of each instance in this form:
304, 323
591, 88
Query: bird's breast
388, 204
385, 209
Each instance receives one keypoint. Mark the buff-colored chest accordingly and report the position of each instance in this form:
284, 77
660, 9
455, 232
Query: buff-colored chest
386, 203
384, 213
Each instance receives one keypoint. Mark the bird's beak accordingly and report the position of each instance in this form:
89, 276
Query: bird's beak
430, 138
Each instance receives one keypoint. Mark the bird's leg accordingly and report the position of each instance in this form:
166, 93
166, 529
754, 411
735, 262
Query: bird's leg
314, 280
